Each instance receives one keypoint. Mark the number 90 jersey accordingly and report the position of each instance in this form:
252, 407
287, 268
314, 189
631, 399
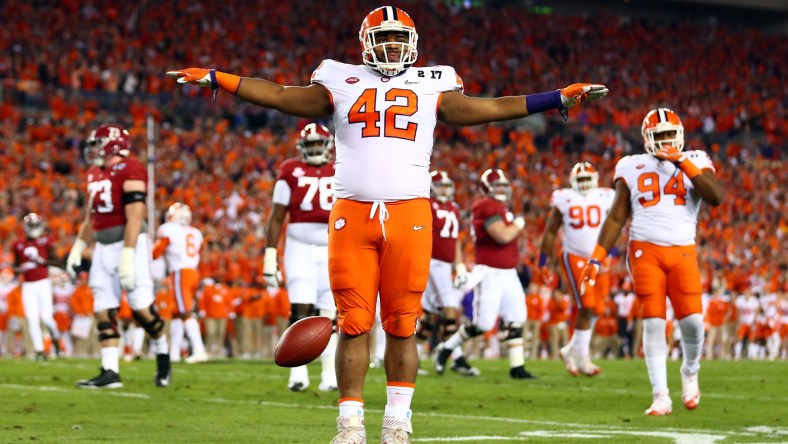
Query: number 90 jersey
582, 216
664, 206
384, 128
105, 188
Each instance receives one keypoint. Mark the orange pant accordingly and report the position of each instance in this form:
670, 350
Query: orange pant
594, 297
367, 257
184, 286
658, 271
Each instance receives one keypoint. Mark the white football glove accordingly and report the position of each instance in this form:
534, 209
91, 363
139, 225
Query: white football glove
519, 221
461, 276
126, 269
273, 278
74, 259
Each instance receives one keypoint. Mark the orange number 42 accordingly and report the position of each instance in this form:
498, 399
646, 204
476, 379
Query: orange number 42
364, 111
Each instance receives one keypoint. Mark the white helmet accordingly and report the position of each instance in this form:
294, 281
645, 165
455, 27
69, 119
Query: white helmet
584, 177
315, 143
179, 213
34, 225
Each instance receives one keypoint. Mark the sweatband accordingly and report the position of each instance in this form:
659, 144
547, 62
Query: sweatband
540, 102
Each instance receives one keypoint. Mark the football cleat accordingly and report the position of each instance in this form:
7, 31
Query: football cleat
395, 431
661, 406
442, 355
351, 431
107, 379
568, 356
196, 358
520, 373
299, 379
462, 367
690, 393
588, 368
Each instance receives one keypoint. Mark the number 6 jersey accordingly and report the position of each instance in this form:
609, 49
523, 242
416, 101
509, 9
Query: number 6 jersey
384, 128
664, 204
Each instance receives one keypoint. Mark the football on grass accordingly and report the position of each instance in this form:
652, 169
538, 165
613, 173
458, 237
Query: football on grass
303, 341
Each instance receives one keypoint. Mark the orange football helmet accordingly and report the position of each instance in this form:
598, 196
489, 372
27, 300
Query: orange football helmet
442, 186
584, 177
388, 19
661, 120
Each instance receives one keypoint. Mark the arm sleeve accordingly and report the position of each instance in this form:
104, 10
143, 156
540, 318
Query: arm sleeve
281, 193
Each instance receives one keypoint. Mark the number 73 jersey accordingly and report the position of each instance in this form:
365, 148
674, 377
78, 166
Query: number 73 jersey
384, 128
664, 204
582, 216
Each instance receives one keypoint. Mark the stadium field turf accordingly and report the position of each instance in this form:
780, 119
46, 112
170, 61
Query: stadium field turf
247, 401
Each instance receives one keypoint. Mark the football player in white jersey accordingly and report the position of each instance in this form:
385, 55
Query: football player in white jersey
385, 111
180, 244
662, 191
304, 190
580, 210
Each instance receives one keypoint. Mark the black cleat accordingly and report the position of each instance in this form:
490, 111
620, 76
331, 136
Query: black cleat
441, 357
107, 379
163, 374
520, 373
462, 367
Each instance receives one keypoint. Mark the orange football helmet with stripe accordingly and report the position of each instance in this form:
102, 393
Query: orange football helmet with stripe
661, 120
584, 177
388, 19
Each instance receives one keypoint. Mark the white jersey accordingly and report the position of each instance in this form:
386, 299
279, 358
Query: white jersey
664, 204
5, 290
61, 295
748, 308
183, 250
384, 128
582, 216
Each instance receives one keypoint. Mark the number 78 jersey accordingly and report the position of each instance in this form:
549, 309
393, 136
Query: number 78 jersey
664, 204
384, 128
582, 216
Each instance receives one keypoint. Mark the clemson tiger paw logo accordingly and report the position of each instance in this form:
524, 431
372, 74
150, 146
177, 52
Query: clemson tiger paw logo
340, 223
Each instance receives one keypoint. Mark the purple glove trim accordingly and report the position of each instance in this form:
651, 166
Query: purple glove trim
537, 103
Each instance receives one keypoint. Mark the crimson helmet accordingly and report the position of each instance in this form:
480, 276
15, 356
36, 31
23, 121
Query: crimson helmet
106, 141
496, 185
388, 19
179, 213
584, 177
33, 225
315, 143
442, 186
662, 120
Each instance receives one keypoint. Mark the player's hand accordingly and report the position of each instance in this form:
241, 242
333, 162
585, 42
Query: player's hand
196, 76
461, 276
273, 278
588, 276
126, 269
671, 154
519, 221
74, 259
578, 93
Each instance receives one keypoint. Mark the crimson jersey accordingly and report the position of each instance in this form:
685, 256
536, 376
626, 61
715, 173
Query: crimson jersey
488, 251
32, 255
311, 190
445, 230
105, 188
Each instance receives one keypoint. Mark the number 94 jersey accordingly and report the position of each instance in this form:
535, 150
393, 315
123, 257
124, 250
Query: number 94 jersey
582, 216
664, 204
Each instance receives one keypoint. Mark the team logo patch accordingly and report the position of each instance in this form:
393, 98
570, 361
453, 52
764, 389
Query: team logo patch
581, 264
385, 79
340, 223
641, 166
638, 253
298, 172
351, 80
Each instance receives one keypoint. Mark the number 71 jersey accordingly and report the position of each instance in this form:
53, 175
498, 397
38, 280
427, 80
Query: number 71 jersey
664, 204
384, 128
582, 216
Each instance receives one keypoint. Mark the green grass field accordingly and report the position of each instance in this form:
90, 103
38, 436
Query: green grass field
239, 402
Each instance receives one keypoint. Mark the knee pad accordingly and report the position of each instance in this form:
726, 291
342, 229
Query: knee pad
470, 330
109, 329
450, 327
153, 327
426, 326
513, 331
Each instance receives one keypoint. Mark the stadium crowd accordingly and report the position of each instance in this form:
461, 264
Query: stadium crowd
60, 78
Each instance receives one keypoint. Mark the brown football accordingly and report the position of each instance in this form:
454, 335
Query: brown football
303, 341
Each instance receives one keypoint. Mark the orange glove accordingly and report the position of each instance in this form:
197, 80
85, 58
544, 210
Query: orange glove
578, 93
204, 77
671, 154
591, 270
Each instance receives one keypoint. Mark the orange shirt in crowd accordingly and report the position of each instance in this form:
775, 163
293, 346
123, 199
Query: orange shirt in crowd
558, 309
277, 305
215, 302
254, 303
82, 301
124, 312
716, 311
165, 303
15, 307
535, 306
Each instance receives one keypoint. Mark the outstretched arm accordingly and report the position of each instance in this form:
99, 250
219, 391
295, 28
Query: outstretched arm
301, 101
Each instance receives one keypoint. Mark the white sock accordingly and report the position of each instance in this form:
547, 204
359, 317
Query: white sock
299, 374
455, 340
655, 348
516, 352
176, 338
380, 343
137, 339
348, 408
457, 353
398, 399
327, 358
160, 344
109, 358
193, 333
692, 341
582, 341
